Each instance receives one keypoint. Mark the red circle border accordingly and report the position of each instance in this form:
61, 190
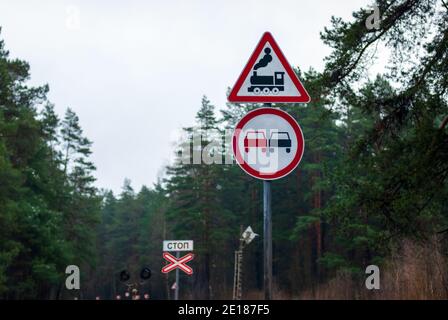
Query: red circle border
300, 144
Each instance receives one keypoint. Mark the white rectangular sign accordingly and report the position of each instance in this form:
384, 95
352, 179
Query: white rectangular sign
178, 245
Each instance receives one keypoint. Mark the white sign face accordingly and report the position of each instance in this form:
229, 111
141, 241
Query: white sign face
268, 77
268, 143
178, 245
249, 235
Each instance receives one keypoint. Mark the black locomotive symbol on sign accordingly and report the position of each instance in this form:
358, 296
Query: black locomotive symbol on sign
266, 84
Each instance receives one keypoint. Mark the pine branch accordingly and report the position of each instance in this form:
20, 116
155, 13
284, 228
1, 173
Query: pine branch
389, 22
444, 4
444, 123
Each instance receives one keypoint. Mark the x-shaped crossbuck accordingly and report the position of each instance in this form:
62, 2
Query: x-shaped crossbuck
175, 263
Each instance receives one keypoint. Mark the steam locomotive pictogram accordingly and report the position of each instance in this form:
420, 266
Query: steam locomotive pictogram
267, 84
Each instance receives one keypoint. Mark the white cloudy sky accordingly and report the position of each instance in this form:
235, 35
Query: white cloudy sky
135, 71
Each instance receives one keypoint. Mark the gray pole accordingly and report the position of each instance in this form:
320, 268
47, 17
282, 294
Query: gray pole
267, 240
176, 292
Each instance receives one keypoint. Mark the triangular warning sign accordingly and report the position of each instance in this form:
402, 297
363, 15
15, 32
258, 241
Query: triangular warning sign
268, 77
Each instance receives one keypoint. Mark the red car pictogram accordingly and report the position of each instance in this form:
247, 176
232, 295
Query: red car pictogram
255, 139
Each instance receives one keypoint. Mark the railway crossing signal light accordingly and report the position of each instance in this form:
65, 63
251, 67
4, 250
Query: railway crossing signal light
146, 273
124, 276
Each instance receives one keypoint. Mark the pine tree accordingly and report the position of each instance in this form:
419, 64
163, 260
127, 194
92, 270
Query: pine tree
395, 175
82, 203
32, 246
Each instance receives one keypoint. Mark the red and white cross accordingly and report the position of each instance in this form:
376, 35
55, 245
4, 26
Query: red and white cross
178, 263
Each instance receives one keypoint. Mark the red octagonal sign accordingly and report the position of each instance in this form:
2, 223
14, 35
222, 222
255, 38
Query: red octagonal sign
268, 143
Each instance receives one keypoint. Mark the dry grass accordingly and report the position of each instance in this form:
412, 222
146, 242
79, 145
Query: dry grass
416, 272
277, 294
413, 272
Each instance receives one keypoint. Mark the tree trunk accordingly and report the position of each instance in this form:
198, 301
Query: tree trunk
317, 205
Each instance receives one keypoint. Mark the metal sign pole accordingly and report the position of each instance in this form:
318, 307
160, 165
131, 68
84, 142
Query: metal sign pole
267, 239
176, 291
176, 262
258, 89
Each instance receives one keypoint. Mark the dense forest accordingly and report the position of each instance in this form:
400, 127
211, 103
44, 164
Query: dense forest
371, 187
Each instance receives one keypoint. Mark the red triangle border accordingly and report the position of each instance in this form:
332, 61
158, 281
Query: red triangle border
233, 96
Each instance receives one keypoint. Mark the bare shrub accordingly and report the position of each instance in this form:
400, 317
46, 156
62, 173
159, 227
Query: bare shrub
416, 271
413, 271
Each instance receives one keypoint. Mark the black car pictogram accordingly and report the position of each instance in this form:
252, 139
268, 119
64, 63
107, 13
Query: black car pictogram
280, 140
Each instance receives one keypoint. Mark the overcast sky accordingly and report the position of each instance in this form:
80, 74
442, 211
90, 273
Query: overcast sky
135, 71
